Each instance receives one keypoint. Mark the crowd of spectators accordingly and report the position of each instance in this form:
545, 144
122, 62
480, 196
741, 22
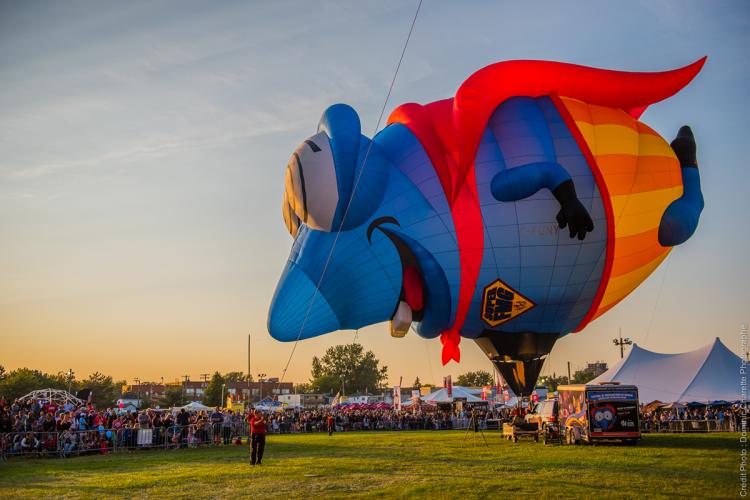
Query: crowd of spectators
47, 428
374, 419
41, 428
697, 418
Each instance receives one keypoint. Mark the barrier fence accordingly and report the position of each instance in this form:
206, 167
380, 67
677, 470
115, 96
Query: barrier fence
87, 442
679, 426
95, 441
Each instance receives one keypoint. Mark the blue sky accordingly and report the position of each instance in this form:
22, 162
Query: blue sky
143, 148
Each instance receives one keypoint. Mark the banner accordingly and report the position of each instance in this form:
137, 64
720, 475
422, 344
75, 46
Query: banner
486, 390
506, 395
397, 397
448, 384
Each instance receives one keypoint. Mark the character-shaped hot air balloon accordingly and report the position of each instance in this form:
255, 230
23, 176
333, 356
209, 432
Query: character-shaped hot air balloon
512, 214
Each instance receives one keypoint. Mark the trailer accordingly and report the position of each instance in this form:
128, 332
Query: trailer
513, 432
593, 413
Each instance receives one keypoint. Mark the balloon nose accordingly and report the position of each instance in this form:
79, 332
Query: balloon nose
292, 316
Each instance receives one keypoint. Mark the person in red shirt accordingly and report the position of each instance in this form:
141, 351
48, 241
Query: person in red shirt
331, 424
257, 436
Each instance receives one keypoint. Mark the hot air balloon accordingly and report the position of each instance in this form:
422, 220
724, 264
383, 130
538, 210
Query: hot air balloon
514, 213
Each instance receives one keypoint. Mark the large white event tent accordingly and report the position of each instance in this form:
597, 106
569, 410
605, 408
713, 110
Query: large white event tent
459, 392
710, 373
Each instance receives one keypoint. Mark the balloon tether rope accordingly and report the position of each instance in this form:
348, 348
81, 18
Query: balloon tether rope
354, 190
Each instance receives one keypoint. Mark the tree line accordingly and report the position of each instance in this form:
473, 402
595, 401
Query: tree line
343, 369
17, 383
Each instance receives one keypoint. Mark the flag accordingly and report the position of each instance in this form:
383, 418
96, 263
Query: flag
397, 397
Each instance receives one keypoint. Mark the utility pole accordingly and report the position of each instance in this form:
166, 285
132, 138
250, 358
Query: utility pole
249, 376
70, 375
184, 384
570, 381
138, 382
261, 376
622, 342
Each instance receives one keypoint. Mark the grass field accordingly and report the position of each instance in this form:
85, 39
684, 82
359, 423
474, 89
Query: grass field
405, 464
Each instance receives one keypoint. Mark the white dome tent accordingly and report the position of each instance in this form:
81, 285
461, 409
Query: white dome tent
707, 374
57, 396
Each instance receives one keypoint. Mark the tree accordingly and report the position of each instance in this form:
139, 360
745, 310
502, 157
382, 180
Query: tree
583, 376
551, 382
478, 378
237, 377
24, 380
347, 368
173, 397
328, 384
212, 396
2, 372
146, 402
303, 388
417, 383
104, 390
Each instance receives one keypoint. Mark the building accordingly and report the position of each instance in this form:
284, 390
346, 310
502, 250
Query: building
365, 398
255, 391
145, 390
304, 400
597, 368
195, 390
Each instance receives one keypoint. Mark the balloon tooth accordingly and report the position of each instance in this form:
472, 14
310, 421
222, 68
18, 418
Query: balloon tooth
401, 321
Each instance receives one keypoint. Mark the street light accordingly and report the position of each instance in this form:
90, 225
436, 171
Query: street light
223, 386
621, 343
261, 376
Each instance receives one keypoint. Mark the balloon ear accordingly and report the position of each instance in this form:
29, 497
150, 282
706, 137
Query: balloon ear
350, 148
341, 123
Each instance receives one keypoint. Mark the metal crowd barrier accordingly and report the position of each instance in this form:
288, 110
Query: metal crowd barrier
94, 441
680, 426
699, 426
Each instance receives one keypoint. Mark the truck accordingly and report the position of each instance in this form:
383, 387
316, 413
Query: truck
545, 415
589, 413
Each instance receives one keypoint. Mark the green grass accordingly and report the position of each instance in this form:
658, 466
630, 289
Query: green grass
393, 464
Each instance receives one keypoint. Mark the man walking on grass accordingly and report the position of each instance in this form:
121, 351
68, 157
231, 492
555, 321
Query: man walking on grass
257, 437
331, 424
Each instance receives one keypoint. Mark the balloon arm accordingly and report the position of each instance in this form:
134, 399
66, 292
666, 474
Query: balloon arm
681, 217
521, 182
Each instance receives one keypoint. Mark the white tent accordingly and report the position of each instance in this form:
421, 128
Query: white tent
459, 392
707, 374
193, 406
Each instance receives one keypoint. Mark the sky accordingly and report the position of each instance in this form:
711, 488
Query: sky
144, 145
